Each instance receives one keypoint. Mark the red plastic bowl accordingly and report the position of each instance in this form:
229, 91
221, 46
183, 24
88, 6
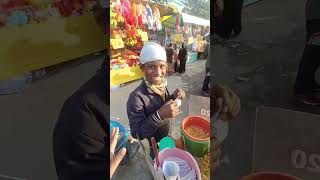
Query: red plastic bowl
196, 122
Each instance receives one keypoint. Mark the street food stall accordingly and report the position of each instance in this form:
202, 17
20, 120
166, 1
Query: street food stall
186, 148
132, 24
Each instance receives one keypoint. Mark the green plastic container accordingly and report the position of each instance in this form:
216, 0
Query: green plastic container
197, 147
166, 142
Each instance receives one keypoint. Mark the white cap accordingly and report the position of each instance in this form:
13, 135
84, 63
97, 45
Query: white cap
152, 51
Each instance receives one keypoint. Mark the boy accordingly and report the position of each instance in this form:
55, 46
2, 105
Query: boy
150, 105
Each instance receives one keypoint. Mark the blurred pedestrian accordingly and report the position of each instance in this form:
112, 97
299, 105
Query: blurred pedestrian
201, 47
175, 58
170, 53
228, 18
206, 81
182, 56
306, 89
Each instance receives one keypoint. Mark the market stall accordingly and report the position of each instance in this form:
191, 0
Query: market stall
132, 24
187, 144
199, 30
187, 29
37, 34
163, 36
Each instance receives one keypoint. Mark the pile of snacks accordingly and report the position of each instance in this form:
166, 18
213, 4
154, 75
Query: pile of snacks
197, 133
204, 166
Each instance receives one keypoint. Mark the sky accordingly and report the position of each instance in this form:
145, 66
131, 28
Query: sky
177, 3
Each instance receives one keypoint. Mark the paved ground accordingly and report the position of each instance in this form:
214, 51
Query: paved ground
191, 82
266, 59
27, 121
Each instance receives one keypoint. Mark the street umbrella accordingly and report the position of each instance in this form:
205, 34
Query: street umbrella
169, 16
172, 21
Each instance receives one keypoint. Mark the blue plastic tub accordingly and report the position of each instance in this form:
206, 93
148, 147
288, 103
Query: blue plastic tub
123, 137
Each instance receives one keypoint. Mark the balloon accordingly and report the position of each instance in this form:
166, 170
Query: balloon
149, 10
127, 4
126, 8
134, 10
117, 7
156, 16
130, 20
144, 15
18, 18
140, 21
149, 17
139, 9
134, 14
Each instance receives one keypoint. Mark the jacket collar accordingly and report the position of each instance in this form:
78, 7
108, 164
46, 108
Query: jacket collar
143, 84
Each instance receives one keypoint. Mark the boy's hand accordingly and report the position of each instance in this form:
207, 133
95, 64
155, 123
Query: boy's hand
169, 110
230, 103
179, 93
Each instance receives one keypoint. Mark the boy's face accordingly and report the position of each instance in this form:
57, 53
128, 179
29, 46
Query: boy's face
155, 71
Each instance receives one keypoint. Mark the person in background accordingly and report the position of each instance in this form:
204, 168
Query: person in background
175, 58
205, 86
228, 18
206, 49
306, 89
170, 53
182, 56
150, 105
201, 48
81, 133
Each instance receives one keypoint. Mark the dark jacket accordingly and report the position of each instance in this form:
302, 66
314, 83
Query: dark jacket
312, 9
80, 134
183, 54
169, 52
141, 109
233, 4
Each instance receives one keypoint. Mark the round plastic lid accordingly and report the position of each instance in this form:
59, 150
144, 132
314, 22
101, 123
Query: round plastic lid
166, 142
